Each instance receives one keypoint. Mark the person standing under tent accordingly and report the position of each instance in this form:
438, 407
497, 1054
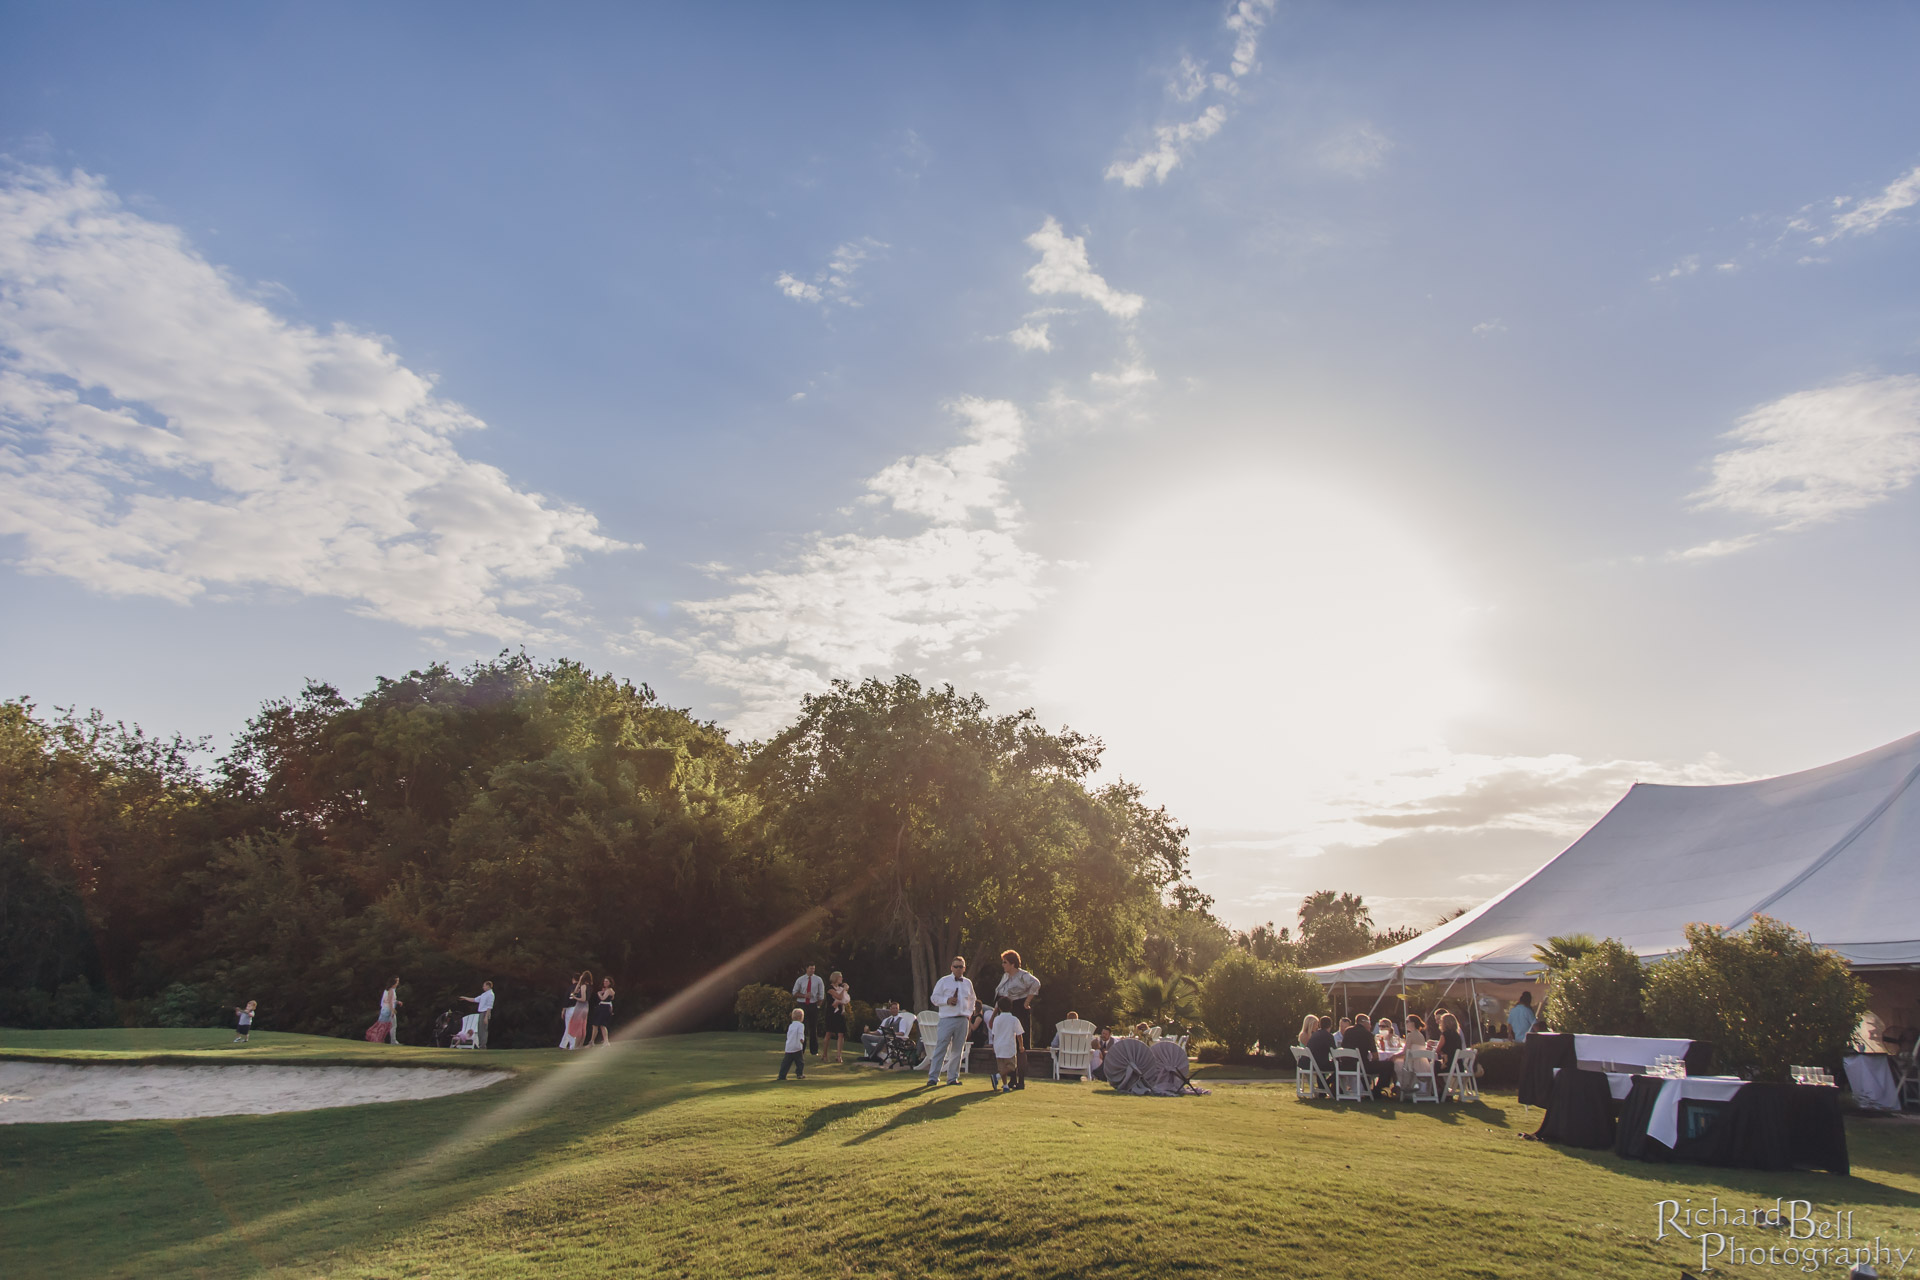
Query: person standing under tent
953, 997
1520, 1017
1018, 988
483, 1006
810, 992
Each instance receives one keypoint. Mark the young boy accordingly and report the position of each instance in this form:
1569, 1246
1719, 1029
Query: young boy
796, 1055
1006, 1032
243, 1022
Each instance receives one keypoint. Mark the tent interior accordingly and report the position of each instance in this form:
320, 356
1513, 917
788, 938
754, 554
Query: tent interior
1833, 851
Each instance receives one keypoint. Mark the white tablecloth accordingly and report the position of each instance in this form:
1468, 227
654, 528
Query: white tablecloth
1870, 1075
1664, 1124
1625, 1051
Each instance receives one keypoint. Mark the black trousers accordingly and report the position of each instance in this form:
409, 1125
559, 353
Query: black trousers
813, 1028
797, 1061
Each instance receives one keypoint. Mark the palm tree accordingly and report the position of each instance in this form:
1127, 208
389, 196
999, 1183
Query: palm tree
1163, 1002
1560, 951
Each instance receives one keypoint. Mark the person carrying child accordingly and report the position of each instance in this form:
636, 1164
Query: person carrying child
796, 1055
1006, 1032
243, 1021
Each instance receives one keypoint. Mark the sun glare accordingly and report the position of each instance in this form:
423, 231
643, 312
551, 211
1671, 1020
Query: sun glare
1250, 644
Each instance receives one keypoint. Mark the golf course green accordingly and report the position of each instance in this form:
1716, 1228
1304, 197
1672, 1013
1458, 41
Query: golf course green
682, 1156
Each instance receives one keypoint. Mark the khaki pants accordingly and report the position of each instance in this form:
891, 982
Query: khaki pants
480, 1029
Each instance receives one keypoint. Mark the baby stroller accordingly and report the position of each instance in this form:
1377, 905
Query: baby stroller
896, 1051
443, 1029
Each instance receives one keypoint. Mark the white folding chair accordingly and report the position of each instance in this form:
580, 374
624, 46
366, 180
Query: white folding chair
1309, 1081
1350, 1083
469, 1034
1461, 1083
1075, 1050
929, 1035
1422, 1068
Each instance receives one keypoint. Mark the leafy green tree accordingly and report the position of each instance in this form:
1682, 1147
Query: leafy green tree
1245, 1000
1600, 992
1265, 942
952, 831
1333, 927
1766, 996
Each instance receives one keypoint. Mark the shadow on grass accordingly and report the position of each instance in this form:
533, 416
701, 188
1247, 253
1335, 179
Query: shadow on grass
1451, 1113
1765, 1185
834, 1112
945, 1107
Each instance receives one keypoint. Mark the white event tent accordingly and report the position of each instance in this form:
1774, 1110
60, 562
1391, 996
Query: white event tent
1834, 851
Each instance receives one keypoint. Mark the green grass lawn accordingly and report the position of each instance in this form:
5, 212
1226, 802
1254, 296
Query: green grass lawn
681, 1156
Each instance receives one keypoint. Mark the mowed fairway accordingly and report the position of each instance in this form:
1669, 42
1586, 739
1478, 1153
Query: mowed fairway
681, 1156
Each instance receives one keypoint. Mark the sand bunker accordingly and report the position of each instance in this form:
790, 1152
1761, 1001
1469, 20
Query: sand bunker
40, 1092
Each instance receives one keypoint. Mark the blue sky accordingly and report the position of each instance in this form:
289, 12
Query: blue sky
1393, 431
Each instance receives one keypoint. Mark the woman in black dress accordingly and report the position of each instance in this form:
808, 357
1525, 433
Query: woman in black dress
833, 1024
600, 1017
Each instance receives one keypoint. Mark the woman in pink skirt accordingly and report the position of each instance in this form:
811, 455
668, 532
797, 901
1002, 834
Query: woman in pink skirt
577, 1014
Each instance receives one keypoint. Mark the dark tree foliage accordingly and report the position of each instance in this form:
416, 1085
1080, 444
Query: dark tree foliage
521, 821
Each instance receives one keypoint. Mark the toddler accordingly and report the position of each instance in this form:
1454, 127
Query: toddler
243, 1022
796, 1055
1006, 1032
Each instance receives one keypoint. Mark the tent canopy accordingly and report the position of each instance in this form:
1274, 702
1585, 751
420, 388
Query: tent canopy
1834, 851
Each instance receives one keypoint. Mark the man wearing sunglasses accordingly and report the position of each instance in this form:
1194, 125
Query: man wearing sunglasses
953, 997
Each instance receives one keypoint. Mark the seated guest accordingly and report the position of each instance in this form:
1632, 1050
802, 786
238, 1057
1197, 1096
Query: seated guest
1416, 1032
870, 1041
1360, 1038
1450, 1043
1101, 1043
1140, 1030
1344, 1024
1385, 1036
1320, 1045
1308, 1025
1071, 1017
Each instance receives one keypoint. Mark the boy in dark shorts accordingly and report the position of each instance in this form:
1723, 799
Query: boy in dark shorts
243, 1021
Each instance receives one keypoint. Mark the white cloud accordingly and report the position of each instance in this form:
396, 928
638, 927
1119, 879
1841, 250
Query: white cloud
1815, 456
1031, 337
1486, 327
162, 433
1245, 20
833, 284
1128, 377
1872, 213
1356, 151
797, 289
870, 602
1064, 268
1685, 267
1172, 143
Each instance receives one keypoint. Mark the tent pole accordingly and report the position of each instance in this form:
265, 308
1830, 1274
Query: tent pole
1473, 994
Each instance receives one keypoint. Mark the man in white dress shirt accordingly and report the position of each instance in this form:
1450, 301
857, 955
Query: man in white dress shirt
953, 997
482, 1005
809, 991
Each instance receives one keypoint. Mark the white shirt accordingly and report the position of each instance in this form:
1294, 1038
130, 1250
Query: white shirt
810, 989
949, 987
796, 1036
902, 1023
1006, 1037
484, 1003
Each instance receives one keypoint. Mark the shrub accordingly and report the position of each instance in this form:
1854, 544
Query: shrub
1209, 1051
860, 1018
1245, 1000
1766, 997
1600, 993
763, 1008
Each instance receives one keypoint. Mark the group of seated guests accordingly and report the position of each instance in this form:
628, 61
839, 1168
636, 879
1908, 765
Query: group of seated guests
1371, 1039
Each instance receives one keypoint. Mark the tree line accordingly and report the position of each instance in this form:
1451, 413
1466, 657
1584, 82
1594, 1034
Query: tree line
520, 821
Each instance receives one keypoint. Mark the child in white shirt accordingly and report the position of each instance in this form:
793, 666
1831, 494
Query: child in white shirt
243, 1021
1005, 1032
796, 1055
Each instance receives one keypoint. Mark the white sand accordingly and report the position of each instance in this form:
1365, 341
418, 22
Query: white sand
37, 1093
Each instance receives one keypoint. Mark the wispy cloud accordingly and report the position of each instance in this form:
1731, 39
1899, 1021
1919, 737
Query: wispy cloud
1173, 143
1876, 211
1356, 151
1031, 336
163, 433
1814, 456
1065, 269
832, 286
877, 601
